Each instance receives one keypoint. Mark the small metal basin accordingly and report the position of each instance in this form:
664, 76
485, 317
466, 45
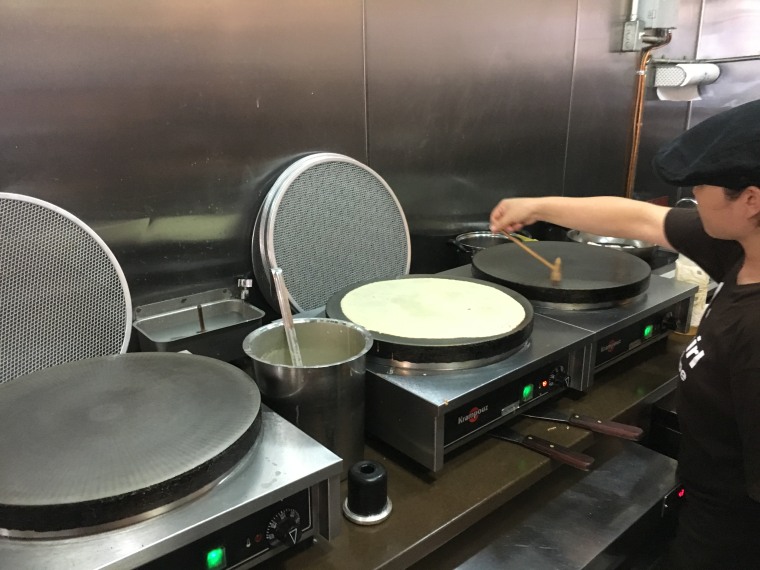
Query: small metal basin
213, 323
636, 247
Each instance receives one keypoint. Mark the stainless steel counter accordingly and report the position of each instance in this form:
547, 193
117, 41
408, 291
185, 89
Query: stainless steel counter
431, 510
573, 521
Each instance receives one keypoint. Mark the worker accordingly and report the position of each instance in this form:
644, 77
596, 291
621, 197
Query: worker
718, 395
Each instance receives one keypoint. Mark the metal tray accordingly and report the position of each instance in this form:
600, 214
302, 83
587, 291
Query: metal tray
212, 323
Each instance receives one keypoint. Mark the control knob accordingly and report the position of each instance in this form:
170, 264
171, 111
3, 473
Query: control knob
285, 528
559, 377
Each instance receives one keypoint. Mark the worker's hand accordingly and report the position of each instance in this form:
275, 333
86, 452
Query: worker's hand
512, 214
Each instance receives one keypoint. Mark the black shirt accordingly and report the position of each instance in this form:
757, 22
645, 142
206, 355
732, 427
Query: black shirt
718, 398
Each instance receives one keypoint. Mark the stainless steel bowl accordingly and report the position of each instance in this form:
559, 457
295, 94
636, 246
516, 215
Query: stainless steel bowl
635, 247
471, 243
325, 396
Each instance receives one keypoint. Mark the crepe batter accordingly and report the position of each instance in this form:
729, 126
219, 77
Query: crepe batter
433, 308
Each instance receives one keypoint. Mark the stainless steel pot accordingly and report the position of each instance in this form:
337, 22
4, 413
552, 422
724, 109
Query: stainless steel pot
325, 396
636, 247
471, 243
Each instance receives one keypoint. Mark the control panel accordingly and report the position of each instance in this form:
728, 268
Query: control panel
507, 401
614, 346
250, 540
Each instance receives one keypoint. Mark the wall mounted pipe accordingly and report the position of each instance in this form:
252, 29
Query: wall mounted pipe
709, 60
638, 107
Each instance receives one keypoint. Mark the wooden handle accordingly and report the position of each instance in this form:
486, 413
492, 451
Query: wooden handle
553, 450
615, 429
558, 452
287, 317
530, 251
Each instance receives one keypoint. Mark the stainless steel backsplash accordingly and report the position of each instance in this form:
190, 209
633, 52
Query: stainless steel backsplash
163, 123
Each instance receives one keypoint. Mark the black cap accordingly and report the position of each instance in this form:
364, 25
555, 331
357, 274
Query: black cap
723, 150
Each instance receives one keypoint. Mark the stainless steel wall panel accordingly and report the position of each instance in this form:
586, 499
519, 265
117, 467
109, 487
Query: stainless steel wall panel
664, 120
730, 29
467, 102
707, 29
603, 87
162, 123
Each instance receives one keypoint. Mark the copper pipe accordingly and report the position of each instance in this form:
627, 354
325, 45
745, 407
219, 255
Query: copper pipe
201, 322
638, 111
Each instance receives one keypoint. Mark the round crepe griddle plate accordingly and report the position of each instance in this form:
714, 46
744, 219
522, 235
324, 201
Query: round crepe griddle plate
106, 439
450, 353
592, 276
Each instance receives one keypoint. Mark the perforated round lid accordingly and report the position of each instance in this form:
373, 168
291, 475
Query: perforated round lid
328, 222
63, 295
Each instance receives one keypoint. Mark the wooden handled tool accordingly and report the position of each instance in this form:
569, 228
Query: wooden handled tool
287, 317
556, 268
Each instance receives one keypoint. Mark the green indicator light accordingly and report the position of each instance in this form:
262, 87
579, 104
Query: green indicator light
527, 392
215, 559
648, 330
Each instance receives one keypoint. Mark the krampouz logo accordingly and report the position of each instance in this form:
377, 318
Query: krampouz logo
611, 345
472, 417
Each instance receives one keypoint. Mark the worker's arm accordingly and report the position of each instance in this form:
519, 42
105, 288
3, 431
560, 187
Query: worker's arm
602, 215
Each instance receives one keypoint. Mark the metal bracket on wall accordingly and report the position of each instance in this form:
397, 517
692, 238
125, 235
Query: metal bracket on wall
653, 16
712, 60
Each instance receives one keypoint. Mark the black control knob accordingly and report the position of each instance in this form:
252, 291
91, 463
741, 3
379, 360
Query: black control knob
559, 377
670, 322
284, 528
367, 502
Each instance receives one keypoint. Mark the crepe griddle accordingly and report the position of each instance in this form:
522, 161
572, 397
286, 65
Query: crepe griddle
592, 276
96, 443
449, 353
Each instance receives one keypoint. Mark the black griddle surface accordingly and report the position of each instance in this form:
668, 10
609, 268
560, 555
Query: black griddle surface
590, 274
103, 439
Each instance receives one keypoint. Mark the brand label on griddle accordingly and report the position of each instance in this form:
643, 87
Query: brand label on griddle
473, 416
610, 345
478, 413
645, 330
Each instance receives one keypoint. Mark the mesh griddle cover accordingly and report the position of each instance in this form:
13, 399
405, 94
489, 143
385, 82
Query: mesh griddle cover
63, 295
328, 222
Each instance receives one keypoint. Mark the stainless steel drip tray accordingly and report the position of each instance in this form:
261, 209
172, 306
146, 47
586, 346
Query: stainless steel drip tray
212, 323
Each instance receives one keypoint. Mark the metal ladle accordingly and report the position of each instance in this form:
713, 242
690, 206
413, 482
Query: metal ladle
287, 316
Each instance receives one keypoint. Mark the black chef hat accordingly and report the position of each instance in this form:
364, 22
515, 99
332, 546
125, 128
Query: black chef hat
723, 150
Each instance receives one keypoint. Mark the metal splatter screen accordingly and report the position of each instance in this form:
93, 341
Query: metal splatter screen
332, 222
63, 296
